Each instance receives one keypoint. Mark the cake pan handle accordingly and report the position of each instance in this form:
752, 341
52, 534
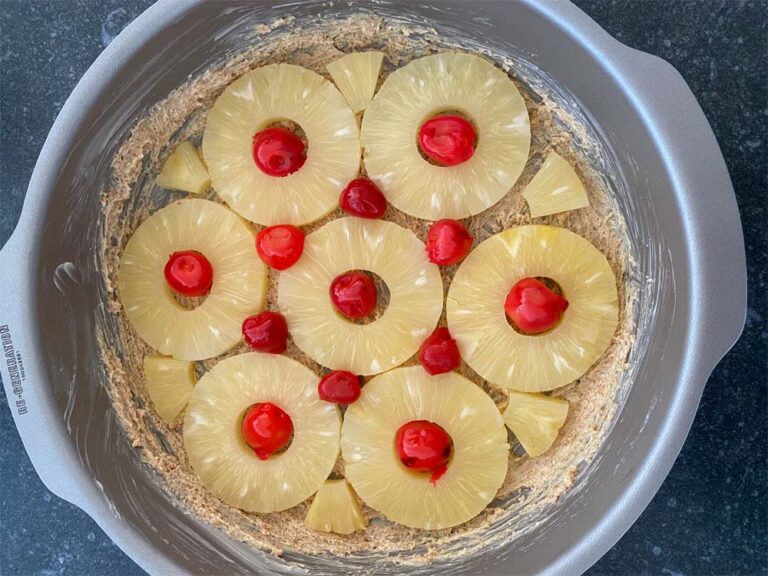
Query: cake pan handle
22, 369
718, 289
17, 368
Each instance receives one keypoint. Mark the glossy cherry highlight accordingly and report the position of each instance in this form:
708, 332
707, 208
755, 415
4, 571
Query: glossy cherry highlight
439, 353
533, 307
189, 273
339, 386
280, 246
448, 242
278, 152
354, 294
424, 446
266, 332
447, 139
363, 198
267, 429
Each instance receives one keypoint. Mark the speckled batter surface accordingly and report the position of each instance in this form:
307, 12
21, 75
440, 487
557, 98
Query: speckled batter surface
531, 485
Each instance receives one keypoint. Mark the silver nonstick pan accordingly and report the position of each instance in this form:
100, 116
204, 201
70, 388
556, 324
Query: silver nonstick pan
672, 187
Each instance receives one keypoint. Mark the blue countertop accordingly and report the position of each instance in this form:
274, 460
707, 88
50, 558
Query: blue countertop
709, 518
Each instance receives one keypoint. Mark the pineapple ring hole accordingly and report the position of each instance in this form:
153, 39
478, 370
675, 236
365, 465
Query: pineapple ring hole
555, 287
280, 159
239, 428
417, 473
382, 299
187, 302
289, 125
447, 111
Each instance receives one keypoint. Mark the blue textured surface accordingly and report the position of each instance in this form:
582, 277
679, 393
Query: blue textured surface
709, 518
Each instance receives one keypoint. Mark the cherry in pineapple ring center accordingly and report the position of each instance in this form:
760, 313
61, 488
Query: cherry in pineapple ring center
280, 149
359, 296
267, 429
447, 139
535, 306
425, 447
189, 276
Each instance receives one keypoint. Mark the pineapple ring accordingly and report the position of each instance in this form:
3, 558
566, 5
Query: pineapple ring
429, 85
399, 258
479, 460
227, 465
239, 279
253, 102
478, 322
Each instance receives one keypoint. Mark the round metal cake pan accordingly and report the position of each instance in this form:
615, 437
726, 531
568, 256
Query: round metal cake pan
682, 208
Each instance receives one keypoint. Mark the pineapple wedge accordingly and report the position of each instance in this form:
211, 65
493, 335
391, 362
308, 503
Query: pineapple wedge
428, 86
253, 102
392, 252
526, 363
555, 188
169, 384
239, 279
184, 170
335, 509
227, 465
356, 76
478, 464
535, 420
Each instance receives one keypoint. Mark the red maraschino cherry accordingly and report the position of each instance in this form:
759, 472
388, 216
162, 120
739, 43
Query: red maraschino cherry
278, 152
189, 273
362, 198
280, 246
533, 307
354, 294
339, 386
447, 139
267, 429
439, 353
424, 446
266, 332
448, 242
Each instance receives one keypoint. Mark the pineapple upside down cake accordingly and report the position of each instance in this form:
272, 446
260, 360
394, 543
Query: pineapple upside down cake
368, 298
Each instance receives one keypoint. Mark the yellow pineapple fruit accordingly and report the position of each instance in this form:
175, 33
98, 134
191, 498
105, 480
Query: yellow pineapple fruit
384, 248
356, 76
239, 279
478, 464
335, 509
535, 420
555, 188
428, 86
219, 454
169, 383
253, 102
184, 170
533, 363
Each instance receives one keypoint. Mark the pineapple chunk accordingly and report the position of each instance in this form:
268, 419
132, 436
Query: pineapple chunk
516, 361
535, 419
555, 188
184, 170
356, 75
335, 509
239, 279
254, 101
392, 252
169, 383
480, 451
227, 465
428, 86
